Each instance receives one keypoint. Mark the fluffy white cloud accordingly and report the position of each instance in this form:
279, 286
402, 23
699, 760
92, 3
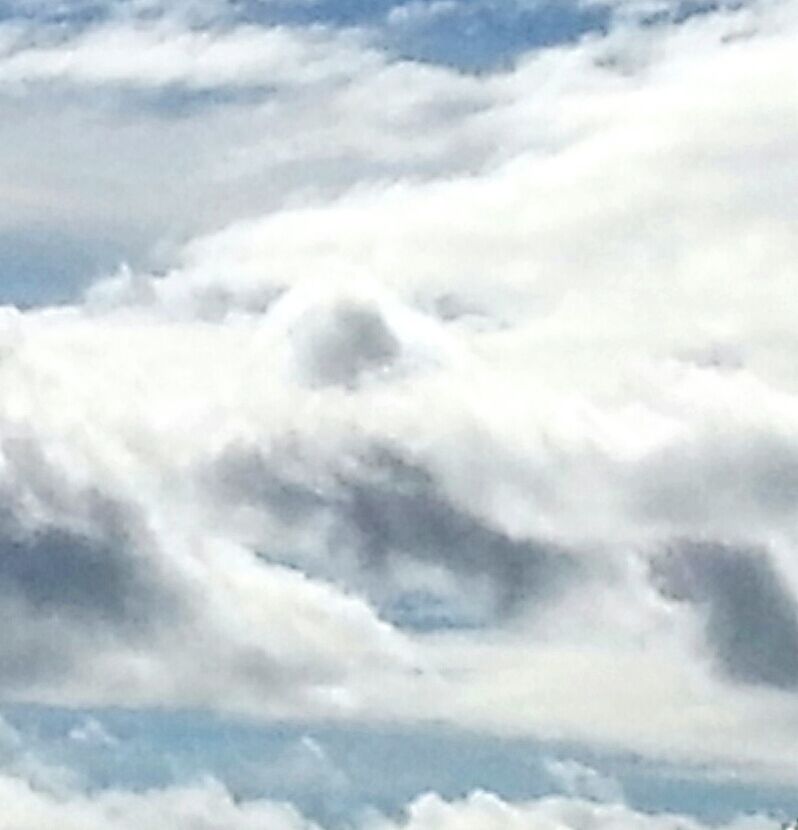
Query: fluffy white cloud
156, 55
487, 812
208, 805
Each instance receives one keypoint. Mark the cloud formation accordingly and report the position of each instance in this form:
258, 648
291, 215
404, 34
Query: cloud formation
35, 796
482, 810
506, 442
209, 805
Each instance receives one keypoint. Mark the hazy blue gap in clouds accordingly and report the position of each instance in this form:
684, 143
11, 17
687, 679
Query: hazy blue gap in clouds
72, 12
333, 773
484, 41
44, 266
469, 36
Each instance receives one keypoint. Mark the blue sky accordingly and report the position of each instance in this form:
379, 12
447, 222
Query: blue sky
399, 416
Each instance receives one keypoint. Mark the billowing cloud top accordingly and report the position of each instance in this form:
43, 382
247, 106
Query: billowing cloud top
427, 395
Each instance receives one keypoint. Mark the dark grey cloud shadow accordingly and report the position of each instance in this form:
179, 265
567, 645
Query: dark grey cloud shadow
390, 509
68, 585
64, 594
751, 616
338, 346
399, 510
57, 571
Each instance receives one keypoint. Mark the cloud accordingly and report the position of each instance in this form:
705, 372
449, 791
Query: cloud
161, 55
103, 605
209, 804
415, 12
752, 620
167, 118
204, 805
339, 347
555, 344
580, 780
395, 511
483, 810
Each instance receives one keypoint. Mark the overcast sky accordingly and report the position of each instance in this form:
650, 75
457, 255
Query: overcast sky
398, 414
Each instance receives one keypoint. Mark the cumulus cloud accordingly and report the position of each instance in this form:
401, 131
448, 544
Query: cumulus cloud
206, 805
483, 810
547, 389
209, 805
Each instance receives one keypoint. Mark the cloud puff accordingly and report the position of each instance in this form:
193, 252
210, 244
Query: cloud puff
206, 805
483, 810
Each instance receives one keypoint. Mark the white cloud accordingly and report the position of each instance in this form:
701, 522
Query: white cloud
162, 54
420, 12
560, 386
487, 812
208, 805
233, 121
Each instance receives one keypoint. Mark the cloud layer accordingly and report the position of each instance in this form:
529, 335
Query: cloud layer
498, 428
35, 795
209, 806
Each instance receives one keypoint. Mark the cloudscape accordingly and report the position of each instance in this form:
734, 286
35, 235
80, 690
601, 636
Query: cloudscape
398, 414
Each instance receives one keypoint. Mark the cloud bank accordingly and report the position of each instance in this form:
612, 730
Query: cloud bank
209, 806
39, 797
497, 428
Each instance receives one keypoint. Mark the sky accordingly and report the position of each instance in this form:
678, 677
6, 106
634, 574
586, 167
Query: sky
399, 414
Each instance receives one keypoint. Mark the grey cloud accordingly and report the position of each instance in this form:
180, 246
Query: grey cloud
64, 593
719, 356
338, 346
249, 477
388, 510
214, 303
32, 651
83, 575
398, 509
87, 558
93, 598
752, 474
751, 618
55, 570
